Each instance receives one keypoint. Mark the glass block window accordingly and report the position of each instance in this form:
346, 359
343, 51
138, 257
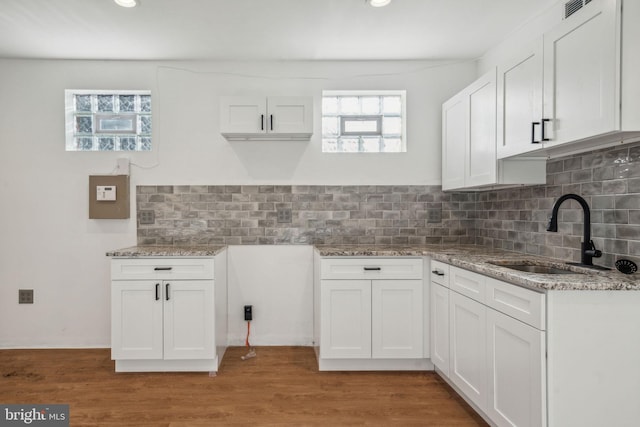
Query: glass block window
363, 121
105, 120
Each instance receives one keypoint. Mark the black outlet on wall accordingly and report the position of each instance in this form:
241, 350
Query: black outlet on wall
248, 313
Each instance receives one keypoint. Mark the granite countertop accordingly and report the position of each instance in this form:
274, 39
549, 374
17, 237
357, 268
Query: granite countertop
478, 259
473, 258
155, 251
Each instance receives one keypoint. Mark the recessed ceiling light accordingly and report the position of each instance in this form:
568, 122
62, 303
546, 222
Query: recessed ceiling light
378, 3
126, 3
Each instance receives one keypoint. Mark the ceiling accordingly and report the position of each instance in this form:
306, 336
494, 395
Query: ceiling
258, 29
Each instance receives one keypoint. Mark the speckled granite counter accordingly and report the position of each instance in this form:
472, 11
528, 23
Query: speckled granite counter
478, 259
155, 251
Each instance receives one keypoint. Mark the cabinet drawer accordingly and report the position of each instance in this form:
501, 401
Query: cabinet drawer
468, 283
440, 273
371, 268
520, 303
161, 268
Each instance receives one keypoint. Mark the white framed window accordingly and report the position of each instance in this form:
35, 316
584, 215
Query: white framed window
107, 120
359, 121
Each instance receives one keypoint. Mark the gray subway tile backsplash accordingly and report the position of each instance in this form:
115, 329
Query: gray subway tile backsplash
512, 219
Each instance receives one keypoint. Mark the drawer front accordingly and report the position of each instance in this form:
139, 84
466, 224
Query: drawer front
468, 283
161, 268
523, 304
440, 273
371, 268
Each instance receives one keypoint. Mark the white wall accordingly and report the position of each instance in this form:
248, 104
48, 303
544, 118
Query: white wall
529, 32
279, 286
48, 243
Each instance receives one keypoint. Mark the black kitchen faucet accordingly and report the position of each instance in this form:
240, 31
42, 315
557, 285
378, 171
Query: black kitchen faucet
589, 250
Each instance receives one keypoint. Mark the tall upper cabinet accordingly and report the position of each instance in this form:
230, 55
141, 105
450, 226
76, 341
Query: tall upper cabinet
469, 142
575, 88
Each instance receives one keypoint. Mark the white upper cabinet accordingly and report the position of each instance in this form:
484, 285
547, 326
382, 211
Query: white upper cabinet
454, 141
581, 84
572, 89
469, 157
274, 117
468, 144
520, 102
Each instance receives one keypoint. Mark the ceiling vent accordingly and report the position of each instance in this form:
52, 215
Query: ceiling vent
573, 6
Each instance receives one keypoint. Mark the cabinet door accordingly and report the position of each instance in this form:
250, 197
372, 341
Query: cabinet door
290, 114
481, 157
243, 114
189, 319
454, 142
581, 68
396, 319
136, 319
345, 319
440, 327
520, 102
468, 355
516, 372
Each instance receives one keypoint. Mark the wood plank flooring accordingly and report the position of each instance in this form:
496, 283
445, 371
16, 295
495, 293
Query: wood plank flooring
280, 387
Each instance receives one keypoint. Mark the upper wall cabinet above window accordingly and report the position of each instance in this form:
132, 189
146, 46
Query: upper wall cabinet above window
575, 88
266, 118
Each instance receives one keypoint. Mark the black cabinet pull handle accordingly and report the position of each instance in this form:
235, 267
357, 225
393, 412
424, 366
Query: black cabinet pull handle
261, 121
271, 116
163, 268
166, 291
372, 269
533, 132
543, 128
157, 291
438, 273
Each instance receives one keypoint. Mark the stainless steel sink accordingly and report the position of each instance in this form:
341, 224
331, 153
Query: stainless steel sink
533, 268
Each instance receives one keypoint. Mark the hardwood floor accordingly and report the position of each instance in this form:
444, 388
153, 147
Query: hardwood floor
281, 386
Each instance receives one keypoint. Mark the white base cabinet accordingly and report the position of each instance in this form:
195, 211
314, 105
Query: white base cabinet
345, 319
516, 372
468, 347
168, 314
439, 316
370, 314
496, 361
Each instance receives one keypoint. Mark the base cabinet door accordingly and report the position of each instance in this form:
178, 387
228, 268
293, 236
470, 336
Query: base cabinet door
189, 320
345, 319
397, 322
136, 320
468, 355
516, 372
440, 327
162, 320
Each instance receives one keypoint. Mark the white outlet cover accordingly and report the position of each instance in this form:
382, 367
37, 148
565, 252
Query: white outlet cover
105, 193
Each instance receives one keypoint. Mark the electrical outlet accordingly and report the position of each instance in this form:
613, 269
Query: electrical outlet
147, 217
25, 296
248, 313
284, 215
